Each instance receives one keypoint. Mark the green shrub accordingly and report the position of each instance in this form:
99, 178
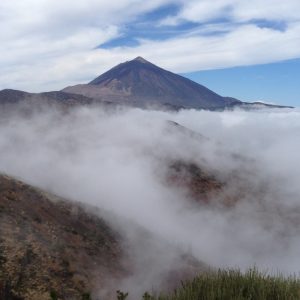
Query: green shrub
86, 296
121, 295
53, 295
235, 285
147, 296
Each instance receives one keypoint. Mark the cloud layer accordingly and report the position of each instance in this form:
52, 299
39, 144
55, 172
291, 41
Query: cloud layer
50, 44
119, 161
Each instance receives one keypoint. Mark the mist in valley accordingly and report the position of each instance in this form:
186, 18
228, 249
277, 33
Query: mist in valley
119, 161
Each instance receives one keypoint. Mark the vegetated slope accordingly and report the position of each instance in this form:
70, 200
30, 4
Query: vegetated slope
141, 83
47, 244
201, 185
232, 284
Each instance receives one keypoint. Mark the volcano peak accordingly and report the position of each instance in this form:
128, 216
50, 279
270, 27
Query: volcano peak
141, 59
140, 83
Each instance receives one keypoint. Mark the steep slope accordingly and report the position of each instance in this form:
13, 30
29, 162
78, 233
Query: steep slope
47, 244
142, 83
51, 245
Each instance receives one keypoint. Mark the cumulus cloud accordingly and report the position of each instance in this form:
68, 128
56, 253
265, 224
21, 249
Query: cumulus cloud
118, 161
47, 45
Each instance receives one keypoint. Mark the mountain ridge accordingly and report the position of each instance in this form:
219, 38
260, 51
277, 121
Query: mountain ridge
135, 83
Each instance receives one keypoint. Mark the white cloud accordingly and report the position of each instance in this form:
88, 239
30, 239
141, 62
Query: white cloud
48, 45
267, 9
236, 10
244, 45
37, 36
201, 11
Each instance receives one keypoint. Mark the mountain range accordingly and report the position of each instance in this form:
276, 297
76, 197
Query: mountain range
136, 83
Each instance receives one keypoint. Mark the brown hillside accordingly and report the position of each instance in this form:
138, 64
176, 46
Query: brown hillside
47, 244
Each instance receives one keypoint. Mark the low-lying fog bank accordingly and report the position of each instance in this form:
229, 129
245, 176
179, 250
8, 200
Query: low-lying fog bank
118, 161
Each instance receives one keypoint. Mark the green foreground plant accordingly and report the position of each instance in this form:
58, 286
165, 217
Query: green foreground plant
235, 285
226, 285
121, 295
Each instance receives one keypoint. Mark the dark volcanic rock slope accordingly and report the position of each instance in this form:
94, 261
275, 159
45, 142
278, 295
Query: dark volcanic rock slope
47, 244
142, 83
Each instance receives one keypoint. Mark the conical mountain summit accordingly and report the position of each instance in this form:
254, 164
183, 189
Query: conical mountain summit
142, 83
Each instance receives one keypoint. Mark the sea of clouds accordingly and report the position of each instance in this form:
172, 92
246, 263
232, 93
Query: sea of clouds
118, 160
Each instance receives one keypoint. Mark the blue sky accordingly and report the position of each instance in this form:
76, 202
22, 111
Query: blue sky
275, 83
246, 49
